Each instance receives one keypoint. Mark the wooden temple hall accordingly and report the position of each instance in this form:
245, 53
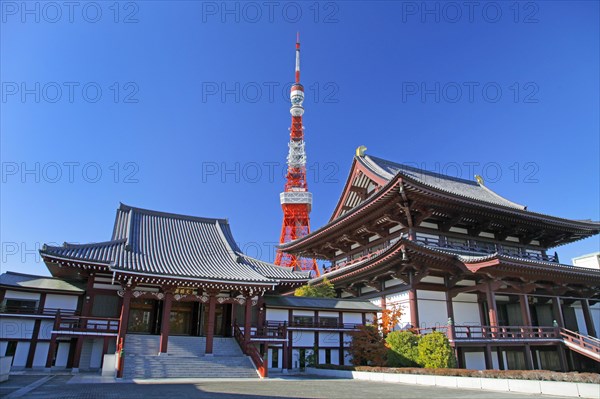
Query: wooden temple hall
161, 275
459, 258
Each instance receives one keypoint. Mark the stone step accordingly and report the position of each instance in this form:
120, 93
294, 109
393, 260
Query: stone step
185, 358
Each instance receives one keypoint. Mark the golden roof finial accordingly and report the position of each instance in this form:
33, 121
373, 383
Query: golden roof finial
360, 151
479, 180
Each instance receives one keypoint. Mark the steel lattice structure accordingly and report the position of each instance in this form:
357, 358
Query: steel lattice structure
296, 200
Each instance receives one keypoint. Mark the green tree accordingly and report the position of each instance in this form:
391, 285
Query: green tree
435, 351
323, 290
403, 346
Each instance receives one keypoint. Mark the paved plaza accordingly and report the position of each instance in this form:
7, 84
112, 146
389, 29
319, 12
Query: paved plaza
67, 386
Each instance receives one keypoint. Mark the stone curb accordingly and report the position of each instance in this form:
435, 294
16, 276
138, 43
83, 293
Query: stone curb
555, 388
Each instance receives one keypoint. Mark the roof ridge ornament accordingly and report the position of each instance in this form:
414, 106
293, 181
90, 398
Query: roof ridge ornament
479, 180
360, 151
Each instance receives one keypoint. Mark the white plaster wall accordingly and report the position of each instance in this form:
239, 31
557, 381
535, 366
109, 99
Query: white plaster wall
329, 314
347, 359
432, 308
475, 360
495, 364
41, 354
86, 352
329, 339
335, 356
347, 339
400, 299
277, 314
46, 329
352, 318
303, 313
580, 319
595, 310
96, 355
61, 301
16, 327
33, 296
393, 282
375, 301
466, 310
3, 345
21, 354
303, 338
437, 295
322, 356
62, 354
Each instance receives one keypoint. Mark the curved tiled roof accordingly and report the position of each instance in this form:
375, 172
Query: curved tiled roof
453, 185
29, 281
165, 244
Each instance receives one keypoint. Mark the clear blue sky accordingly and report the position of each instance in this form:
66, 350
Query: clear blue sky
191, 90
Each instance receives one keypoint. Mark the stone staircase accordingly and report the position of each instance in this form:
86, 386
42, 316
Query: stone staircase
185, 358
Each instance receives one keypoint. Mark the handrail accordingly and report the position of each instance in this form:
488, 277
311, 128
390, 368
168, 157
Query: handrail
83, 324
38, 310
585, 342
250, 350
460, 332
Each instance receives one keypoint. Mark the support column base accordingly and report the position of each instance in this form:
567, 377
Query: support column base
75, 370
284, 371
163, 354
209, 355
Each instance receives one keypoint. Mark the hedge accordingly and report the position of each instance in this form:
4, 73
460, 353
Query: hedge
538, 375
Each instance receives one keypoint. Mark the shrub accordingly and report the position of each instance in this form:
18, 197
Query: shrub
403, 349
435, 351
367, 347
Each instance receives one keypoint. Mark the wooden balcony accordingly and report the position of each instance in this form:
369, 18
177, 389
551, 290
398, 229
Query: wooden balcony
495, 334
38, 310
85, 325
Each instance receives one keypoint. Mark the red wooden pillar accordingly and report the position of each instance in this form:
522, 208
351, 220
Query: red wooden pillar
210, 324
35, 333
124, 319
247, 321
52, 348
492, 310
489, 364
77, 355
528, 357
413, 303
450, 313
165, 323
557, 312
525, 312
290, 338
589, 321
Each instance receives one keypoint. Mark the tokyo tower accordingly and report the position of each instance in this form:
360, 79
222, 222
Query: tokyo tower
296, 200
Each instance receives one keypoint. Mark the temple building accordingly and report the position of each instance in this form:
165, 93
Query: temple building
112, 297
459, 258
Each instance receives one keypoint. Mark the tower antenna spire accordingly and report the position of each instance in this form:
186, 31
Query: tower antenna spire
296, 200
297, 57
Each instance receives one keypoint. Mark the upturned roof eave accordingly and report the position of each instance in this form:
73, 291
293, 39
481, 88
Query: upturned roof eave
590, 228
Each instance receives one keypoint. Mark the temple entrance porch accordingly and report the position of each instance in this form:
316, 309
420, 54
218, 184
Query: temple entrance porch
185, 318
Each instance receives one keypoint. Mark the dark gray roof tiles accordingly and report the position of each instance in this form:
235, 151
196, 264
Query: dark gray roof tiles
29, 281
320, 303
461, 187
166, 244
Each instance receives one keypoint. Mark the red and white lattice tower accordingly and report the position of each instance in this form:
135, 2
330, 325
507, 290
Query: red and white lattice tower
296, 200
